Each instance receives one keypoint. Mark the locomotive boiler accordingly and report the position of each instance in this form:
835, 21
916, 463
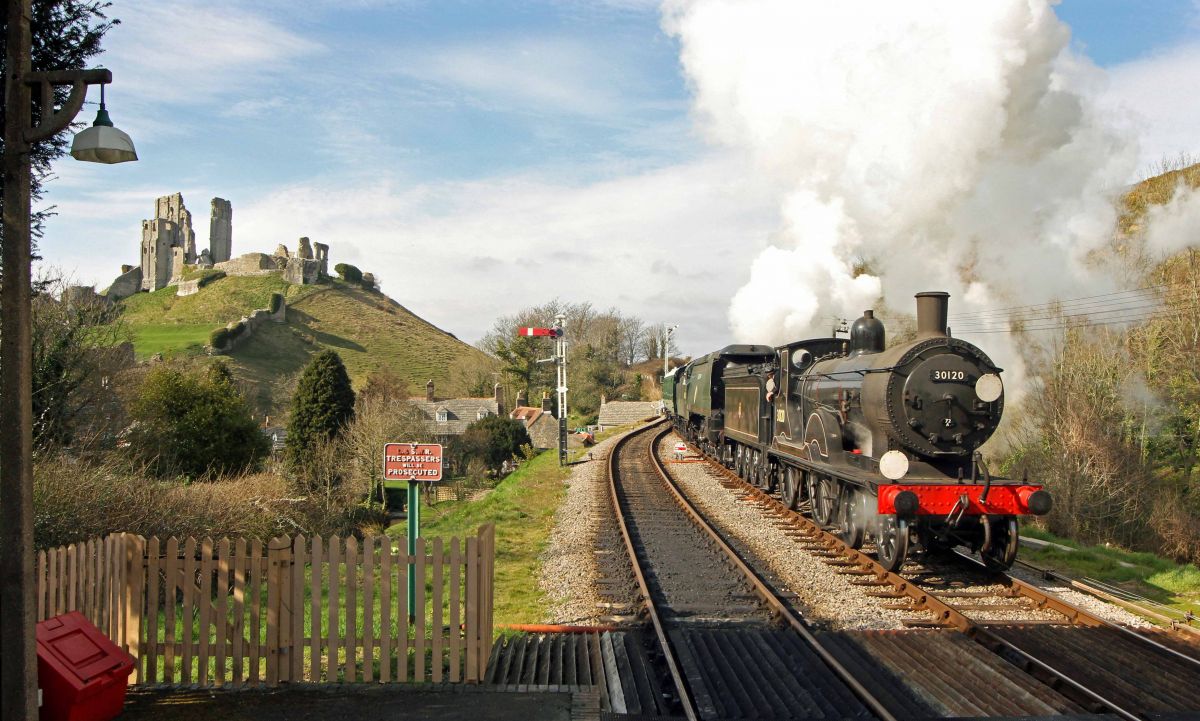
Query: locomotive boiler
880, 444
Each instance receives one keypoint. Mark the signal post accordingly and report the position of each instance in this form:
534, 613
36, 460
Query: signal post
560, 361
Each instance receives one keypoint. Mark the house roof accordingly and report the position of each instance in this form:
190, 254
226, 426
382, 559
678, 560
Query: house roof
619, 413
529, 414
460, 413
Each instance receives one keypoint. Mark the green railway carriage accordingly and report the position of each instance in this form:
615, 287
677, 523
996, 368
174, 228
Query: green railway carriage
668, 391
700, 390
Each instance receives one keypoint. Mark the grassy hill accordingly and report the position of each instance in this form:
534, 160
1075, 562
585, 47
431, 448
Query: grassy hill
369, 330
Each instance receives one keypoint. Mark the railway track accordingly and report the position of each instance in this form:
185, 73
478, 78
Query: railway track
731, 647
1099, 667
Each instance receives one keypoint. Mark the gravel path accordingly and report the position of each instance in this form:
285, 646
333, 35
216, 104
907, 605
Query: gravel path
824, 598
586, 551
1103, 609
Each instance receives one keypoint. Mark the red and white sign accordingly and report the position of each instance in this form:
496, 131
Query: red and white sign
412, 462
538, 332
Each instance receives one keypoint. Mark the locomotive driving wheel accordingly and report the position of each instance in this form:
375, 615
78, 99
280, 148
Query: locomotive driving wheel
789, 490
850, 520
891, 543
823, 492
1005, 538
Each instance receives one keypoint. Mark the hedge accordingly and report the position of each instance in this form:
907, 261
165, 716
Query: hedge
349, 273
219, 338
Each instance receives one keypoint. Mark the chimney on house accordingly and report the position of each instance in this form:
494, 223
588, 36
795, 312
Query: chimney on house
429, 391
547, 404
498, 392
603, 399
522, 398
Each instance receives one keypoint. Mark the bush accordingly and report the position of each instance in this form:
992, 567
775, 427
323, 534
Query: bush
492, 440
276, 302
220, 338
194, 425
348, 273
321, 407
75, 501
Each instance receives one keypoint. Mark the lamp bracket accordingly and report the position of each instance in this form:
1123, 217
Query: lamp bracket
44, 83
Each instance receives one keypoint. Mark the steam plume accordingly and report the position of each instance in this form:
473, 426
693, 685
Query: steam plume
932, 145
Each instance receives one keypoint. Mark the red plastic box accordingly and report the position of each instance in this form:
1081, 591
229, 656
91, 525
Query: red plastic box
82, 674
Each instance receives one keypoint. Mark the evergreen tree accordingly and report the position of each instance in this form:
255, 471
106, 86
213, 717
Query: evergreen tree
194, 425
321, 408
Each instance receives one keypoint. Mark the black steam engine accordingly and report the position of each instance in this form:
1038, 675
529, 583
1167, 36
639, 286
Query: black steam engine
877, 443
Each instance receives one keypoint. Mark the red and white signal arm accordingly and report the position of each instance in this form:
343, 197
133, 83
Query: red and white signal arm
418, 462
540, 332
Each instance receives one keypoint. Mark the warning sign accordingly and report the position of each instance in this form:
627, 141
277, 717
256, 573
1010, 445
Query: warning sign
412, 462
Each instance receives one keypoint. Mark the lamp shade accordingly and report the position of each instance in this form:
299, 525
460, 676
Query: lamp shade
103, 144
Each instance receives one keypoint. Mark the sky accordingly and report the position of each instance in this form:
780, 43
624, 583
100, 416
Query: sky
480, 157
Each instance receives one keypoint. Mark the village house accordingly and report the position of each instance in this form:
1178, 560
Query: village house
540, 423
446, 418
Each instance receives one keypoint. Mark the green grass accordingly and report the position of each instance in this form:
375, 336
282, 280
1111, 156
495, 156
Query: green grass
170, 339
522, 506
1145, 574
369, 330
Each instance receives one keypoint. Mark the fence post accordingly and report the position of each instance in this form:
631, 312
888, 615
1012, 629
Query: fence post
135, 577
278, 627
472, 611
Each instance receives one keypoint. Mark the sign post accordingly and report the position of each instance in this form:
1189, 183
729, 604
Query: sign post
415, 463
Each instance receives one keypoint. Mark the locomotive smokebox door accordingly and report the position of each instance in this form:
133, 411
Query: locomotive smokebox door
942, 408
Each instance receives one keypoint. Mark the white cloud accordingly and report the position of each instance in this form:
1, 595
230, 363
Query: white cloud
172, 53
528, 74
1154, 96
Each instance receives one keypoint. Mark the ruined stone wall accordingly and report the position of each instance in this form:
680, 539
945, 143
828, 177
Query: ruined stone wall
125, 285
302, 271
249, 264
220, 230
249, 325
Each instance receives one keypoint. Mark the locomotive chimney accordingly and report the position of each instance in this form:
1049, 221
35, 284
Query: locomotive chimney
932, 309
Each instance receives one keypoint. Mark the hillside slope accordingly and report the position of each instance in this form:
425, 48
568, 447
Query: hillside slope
369, 330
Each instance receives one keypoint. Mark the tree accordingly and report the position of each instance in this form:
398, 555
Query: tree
194, 424
65, 34
493, 440
76, 351
321, 407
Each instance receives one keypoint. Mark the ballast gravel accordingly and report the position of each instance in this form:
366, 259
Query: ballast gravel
824, 597
586, 550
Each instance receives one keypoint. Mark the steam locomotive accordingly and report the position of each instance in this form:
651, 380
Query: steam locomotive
878, 444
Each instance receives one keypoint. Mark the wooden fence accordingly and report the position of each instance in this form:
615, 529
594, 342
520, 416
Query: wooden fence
241, 612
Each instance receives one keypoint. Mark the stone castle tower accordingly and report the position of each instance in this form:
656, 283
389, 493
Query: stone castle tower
168, 241
220, 230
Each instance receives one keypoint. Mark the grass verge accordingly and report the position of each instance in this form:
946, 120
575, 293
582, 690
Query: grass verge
1157, 578
522, 506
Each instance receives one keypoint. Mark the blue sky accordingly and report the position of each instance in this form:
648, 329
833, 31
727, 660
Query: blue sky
480, 156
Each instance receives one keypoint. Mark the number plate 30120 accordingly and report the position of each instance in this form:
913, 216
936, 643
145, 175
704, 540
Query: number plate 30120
948, 376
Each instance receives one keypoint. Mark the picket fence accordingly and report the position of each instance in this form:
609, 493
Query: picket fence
243, 612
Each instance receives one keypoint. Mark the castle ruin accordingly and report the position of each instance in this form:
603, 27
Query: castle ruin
168, 250
220, 231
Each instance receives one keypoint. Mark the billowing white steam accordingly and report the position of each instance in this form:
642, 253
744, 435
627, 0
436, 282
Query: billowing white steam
937, 144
